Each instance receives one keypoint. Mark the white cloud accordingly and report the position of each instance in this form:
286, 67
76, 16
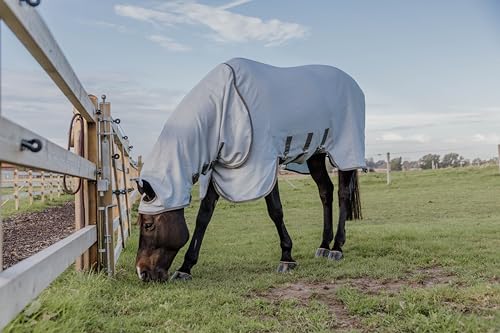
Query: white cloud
234, 4
148, 15
168, 43
396, 137
224, 26
488, 138
105, 24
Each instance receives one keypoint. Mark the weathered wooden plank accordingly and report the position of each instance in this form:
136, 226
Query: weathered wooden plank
91, 260
125, 171
22, 282
1, 223
31, 30
106, 198
120, 138
51, 157
118, 249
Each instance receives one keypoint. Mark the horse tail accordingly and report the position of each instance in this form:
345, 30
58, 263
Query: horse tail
349, 192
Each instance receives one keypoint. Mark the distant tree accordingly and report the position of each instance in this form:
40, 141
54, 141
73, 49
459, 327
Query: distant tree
396, 164
493, 160
454, 160
477, 161
426, 161
370, 163
451, 160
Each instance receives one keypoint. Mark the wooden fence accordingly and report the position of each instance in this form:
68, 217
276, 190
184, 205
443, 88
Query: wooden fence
30, 185
100, 158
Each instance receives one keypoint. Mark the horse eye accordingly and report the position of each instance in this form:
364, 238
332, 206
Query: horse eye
149, 226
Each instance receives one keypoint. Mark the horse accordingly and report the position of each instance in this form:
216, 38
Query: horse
232, 133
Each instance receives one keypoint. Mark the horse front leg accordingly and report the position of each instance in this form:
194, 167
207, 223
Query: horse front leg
319, 174
275, 211
205, 213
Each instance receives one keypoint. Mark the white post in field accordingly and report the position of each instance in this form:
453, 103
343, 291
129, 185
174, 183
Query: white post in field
499, 157
388, 168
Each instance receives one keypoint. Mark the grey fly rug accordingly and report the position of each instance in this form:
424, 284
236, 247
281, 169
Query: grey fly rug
243, 120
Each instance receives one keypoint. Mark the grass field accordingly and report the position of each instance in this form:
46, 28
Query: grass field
8, 209
424, 259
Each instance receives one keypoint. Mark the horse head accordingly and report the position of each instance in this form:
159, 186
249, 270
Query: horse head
161, 237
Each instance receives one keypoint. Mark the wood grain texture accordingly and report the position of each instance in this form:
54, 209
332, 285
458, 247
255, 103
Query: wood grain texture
51, 158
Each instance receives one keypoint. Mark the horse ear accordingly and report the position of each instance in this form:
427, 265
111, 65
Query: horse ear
146, 189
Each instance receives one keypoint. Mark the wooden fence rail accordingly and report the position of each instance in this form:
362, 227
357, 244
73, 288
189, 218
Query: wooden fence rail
100, 159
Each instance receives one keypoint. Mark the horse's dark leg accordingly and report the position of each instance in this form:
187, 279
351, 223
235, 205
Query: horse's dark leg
205, 212
319, 174
344, 207
275, 211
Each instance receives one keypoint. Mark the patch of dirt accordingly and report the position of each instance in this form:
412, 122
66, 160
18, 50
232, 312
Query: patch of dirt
325, 292
304, 292
27, 233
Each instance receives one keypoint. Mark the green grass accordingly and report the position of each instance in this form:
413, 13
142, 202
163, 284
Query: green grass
444, 218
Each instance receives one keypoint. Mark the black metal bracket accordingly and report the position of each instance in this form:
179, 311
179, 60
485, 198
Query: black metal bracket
118, 192
32, 3
34, 145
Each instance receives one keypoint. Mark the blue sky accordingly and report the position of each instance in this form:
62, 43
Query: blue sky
430, 70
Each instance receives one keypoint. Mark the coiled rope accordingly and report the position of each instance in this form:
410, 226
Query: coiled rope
81, 150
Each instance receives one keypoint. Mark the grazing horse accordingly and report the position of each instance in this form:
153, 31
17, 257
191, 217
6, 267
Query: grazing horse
232, 132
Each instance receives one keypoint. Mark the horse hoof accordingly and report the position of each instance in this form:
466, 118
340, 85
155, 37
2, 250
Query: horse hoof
180, 276
321, 252
335, 255
286, 266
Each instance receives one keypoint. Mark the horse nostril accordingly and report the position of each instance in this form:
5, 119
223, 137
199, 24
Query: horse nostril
145, 276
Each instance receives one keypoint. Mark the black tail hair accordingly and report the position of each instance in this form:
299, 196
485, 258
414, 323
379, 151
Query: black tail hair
348, 180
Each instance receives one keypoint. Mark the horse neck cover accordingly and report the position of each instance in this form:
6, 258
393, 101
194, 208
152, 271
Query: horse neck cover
242, 120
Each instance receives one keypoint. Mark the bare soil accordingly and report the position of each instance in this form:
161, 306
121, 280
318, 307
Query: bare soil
325, 292
27, 233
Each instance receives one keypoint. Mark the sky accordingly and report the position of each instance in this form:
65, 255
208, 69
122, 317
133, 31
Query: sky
430, 70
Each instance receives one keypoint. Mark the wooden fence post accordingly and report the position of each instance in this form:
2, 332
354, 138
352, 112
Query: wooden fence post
139, 165
42, 185
118, 184
16, 189
388, 168
58, 181
125, 174
79, 196
106, 197
51, 184
30, 186
89, 260
1, 223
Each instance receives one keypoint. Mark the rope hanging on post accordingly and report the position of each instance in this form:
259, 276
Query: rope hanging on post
76, 117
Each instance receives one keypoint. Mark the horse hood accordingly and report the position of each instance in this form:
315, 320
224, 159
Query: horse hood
243, 120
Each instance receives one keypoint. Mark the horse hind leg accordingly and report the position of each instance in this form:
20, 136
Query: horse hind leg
275, 210
319, 174
349, 208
